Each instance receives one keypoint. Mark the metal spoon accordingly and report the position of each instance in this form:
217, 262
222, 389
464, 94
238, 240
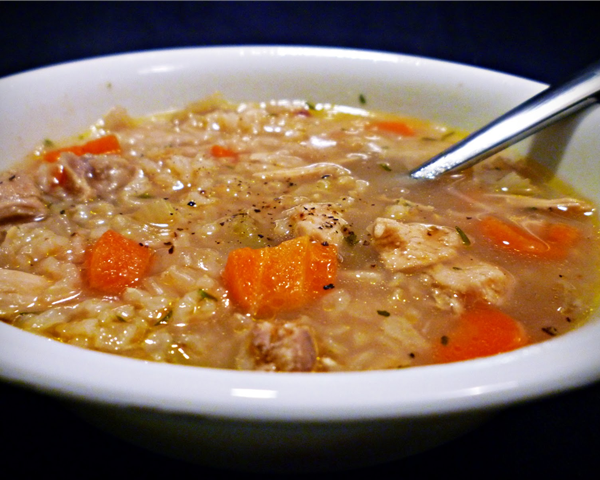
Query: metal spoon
533, 115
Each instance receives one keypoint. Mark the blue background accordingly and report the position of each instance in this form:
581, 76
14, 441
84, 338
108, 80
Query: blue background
544, 41
539, 40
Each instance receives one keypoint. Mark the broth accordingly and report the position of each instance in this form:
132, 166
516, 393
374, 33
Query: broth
286, 236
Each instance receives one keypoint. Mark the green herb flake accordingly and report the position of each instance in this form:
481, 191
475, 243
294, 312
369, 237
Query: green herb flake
48, 142
463, 236
204, 295
386, 167
120, 318
311, 106
383, 313
165, 319
351, 239
362, 99
144, 195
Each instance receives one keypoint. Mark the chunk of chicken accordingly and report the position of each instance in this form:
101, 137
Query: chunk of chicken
284, 347
566, 206
454, 283
322, 222
15, 281
314, 170
405, 247
20, 198
88, 176
110, 174
19, 290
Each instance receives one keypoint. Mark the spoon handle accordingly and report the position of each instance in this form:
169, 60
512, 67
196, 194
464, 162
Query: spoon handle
533, 115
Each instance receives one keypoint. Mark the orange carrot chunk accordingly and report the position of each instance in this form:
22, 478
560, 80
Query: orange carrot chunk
268, 280
106, 144
115, 263
561, 235
222, 152
59, 175
394, 126
482, 331
512, 237
554, 240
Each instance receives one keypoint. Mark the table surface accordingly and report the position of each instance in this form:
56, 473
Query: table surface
554, 437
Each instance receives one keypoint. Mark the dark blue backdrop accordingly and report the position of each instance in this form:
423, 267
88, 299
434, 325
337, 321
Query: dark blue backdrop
556, 437
539, 40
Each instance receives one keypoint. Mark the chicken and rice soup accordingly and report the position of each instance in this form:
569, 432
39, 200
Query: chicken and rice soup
287, 236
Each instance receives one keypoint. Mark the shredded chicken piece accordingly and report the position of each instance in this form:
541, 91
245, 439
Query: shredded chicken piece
316, 169
15, 281
20, 197
209, 104
322, 222
557, 205
118, 119
110, 174
283, 348
88, 176
454, 283
19, 290
78, 173
410, 246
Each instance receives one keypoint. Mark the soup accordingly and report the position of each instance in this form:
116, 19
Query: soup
287, 236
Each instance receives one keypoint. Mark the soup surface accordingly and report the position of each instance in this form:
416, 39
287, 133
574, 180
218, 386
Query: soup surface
286, 236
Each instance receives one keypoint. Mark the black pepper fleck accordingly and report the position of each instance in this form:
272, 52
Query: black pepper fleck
550, 331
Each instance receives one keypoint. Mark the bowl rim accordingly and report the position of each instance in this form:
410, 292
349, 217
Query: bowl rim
482, 384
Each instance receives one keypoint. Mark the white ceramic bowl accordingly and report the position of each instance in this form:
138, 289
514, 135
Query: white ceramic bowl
289, 422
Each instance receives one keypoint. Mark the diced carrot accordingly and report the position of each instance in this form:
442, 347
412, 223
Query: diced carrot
482, 331
554, 239
59, 175
221, 152
562, 234
512, 237
106, 144
394, 126
54, 155
268, 280
115, 263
